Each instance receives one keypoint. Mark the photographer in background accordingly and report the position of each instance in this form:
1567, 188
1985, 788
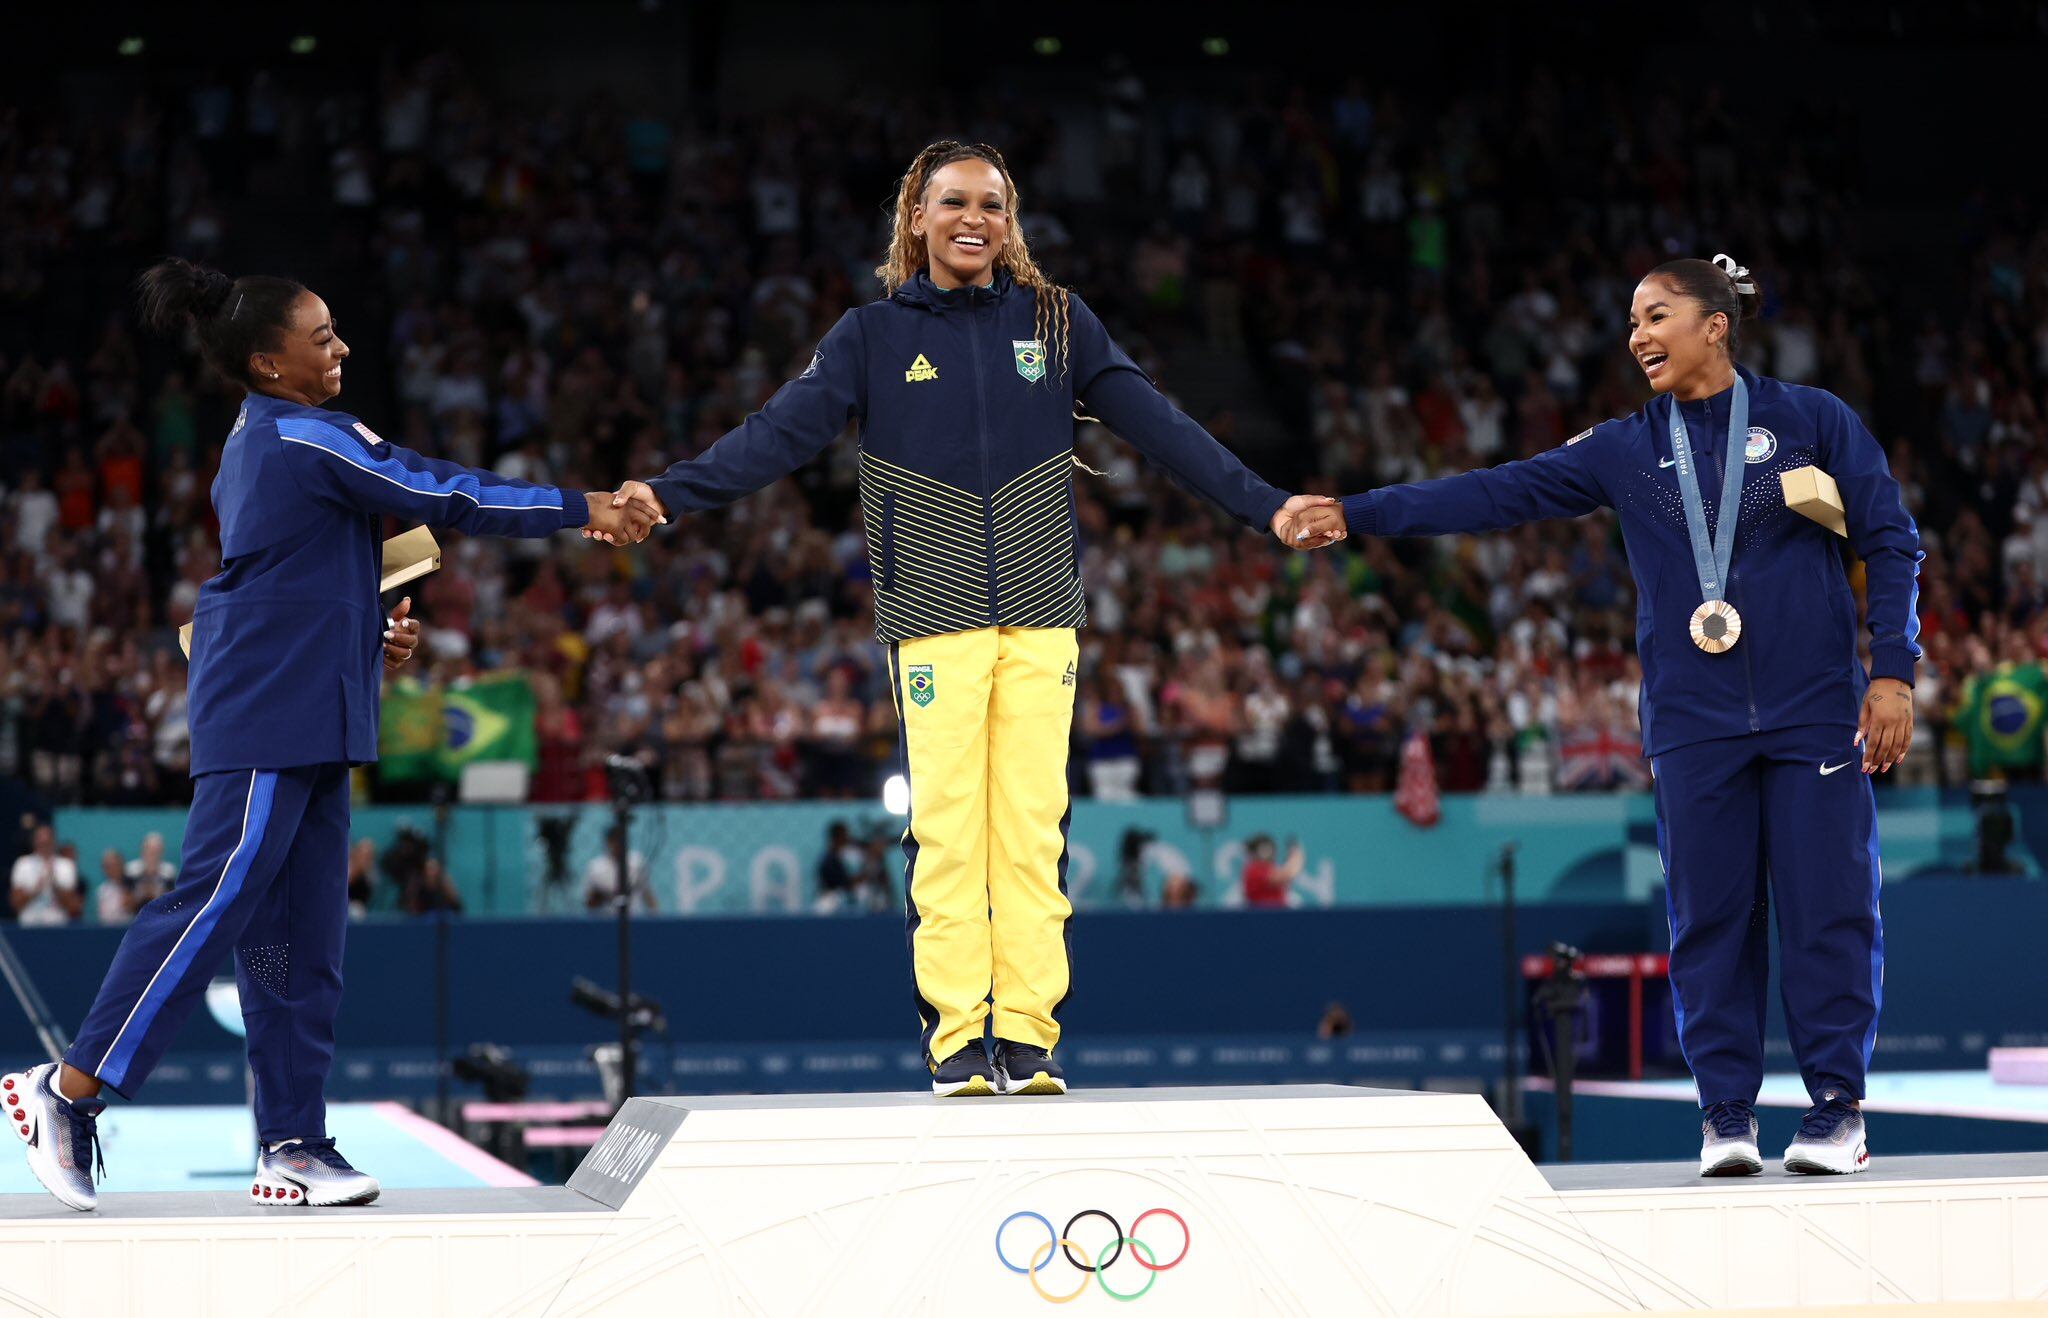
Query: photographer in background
601, 875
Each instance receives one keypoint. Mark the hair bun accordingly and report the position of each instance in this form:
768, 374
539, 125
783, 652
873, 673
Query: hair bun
213, 292
174, 289
1738, 275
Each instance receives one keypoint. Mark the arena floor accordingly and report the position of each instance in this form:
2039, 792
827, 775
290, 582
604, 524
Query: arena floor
155, 1148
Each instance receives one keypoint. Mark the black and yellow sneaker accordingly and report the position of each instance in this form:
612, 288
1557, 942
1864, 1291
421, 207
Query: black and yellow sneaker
1023, 1069
966, 1074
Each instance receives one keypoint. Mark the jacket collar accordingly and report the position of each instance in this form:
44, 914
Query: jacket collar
920, 291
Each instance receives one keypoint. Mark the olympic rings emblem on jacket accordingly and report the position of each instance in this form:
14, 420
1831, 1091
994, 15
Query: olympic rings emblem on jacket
1061, 1241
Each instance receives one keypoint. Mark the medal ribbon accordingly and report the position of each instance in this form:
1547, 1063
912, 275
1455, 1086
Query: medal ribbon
1712, 562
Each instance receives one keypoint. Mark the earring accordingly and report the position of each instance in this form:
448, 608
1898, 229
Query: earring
273, 375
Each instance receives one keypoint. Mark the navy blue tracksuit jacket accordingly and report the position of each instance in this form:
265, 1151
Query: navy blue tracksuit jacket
966, 437
287, 658
1760, 795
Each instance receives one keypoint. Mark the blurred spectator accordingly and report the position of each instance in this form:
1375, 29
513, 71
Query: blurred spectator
150, 873
430, 890
1266, 880
45, 887
1131, 850
601, 875
839, 868
113, 900
362, 877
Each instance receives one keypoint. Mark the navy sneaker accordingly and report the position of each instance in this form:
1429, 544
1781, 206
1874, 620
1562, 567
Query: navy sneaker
62, 1134
1023, 1069
966, 1074
308, 1174
1830, 1139
1728, 1141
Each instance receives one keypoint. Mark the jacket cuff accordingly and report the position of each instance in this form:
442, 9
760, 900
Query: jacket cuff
1266, 509
1893, 661
575, 509
1362, 513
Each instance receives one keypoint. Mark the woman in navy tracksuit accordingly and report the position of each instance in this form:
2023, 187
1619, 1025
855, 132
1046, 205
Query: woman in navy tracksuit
1753, 707
286, 645
963, 381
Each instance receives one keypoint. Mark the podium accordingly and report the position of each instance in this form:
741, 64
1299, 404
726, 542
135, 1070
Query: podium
1305, 1200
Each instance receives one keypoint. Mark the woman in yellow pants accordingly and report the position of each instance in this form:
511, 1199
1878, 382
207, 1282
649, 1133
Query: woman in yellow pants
962, 380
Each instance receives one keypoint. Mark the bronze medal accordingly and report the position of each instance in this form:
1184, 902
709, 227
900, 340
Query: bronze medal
1716, 626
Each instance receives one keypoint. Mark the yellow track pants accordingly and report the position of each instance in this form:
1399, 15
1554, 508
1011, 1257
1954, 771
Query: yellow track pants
984, 718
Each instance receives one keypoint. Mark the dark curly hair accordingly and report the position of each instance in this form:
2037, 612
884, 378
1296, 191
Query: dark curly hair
233, 317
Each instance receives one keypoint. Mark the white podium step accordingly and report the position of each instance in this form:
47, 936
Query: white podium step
1310, 1200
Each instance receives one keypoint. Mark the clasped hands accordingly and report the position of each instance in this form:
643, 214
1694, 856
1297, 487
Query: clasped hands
1309, 521
624, 516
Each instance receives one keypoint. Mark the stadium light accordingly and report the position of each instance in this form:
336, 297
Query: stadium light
1046, 45
304, 45
130, 46
1216, 46
896, 794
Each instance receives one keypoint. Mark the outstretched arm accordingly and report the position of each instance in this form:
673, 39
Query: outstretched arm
1110, 385
356, 469
1565, 482
790, 429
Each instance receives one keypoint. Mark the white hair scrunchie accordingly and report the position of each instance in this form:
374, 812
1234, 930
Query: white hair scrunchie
1737, 274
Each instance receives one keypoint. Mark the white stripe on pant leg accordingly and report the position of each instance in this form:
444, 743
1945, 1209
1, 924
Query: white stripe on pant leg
218, 882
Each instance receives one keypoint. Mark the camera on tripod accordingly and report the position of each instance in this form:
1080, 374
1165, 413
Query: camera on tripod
643, 1013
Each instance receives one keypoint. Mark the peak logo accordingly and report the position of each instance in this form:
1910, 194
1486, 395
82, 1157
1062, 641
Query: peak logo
1097, 1264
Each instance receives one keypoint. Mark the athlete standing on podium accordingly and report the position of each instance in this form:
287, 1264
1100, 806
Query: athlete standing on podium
1754, 702
964, 379
283, 690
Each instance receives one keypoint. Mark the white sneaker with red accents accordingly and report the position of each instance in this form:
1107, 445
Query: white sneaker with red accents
62, 1135
308, 1174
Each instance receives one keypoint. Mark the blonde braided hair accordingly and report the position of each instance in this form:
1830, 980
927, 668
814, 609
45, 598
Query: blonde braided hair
1052, 321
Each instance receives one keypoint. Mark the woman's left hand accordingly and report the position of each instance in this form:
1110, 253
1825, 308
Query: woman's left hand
402, 637
1886, 728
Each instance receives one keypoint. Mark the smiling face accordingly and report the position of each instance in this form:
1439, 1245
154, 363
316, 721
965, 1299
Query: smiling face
1680, 346
306, 360
963, 219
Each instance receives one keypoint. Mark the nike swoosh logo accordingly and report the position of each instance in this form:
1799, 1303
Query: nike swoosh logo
1668, 462
1827, 769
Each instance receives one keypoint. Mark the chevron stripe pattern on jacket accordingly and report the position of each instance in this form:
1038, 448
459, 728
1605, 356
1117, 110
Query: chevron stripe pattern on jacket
966, 427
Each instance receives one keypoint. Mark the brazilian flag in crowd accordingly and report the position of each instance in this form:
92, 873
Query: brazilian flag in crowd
430, 732
2003, 714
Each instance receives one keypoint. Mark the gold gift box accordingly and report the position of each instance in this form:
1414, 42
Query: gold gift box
408, 556
1811, 493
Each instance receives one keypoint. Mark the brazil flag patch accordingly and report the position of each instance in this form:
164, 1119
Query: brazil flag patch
923, 686
1030, 358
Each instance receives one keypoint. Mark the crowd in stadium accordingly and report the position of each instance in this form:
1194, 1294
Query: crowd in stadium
573, 295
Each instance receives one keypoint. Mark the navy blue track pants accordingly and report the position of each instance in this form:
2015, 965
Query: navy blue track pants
1780, 822
265, 874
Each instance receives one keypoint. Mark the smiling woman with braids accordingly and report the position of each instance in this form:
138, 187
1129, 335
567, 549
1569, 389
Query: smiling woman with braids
964, 379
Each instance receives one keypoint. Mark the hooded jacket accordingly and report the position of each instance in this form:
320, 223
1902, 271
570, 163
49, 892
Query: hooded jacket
1796, 662
966, 429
